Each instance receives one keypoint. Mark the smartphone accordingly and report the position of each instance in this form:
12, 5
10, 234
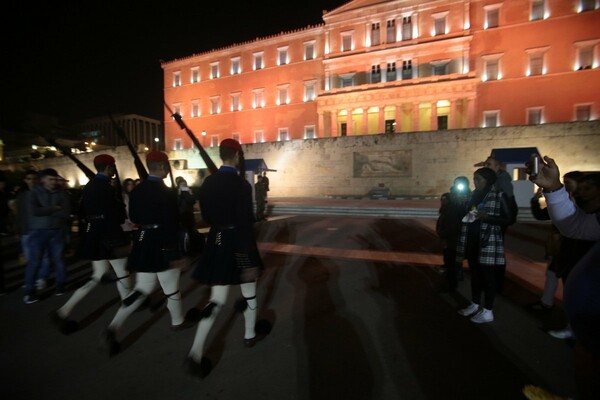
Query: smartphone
535, 168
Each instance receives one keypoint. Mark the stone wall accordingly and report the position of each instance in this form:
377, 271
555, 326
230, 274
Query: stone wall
409, 164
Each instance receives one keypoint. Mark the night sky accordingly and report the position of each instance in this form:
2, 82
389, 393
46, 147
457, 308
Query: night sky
72, 61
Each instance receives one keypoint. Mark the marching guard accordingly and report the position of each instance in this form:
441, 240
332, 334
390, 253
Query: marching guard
155, 253
231, 255
103, 242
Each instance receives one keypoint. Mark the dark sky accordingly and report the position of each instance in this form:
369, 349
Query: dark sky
74, 61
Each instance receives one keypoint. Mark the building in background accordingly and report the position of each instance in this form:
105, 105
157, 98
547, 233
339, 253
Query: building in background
145, 133
391, 67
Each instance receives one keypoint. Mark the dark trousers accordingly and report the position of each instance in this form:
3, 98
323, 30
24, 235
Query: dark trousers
483, 281
450, 265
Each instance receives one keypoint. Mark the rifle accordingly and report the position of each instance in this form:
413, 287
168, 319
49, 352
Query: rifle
67, 152
205, 157
139, 166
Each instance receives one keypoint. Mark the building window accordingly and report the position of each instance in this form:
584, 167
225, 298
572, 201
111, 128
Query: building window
407, 71
407, 28
390, 35
375, 34
235, 102
491, 71
583, 112
439, 23
534, 116
442, 122
492, 16
283, 134
259, 101
258, 137
375, 74
347, 41
176, 79
390, 125
177, 109
390, 74
346, 80
310, 132
195, 75
536, 64
177, 144
214, 70
214, 140
491, 119
585, 57
309, 91
587, 5
538, 9
235, 66
214, 105
440, 67
236, 137
195, 108
282, 56
309, 50
282, 95
258, 61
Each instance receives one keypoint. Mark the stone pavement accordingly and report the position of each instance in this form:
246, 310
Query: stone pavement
355, 316
525, 240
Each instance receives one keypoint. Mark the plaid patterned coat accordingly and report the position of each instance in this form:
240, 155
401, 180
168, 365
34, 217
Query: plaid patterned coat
491, 243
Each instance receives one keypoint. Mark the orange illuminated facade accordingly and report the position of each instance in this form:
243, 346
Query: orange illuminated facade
395, 66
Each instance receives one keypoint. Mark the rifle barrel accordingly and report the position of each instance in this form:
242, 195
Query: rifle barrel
205, 157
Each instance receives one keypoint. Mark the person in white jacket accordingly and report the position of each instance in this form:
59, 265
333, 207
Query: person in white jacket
582, 290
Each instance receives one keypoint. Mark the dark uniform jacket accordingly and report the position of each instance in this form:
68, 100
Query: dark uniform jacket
154, 208
231, 255
103, 215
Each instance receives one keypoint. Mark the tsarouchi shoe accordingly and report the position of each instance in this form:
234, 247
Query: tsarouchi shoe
262, 328
108, 343
65, 326
195, 369
183, 326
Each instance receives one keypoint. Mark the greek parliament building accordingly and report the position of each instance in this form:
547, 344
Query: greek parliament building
398, 66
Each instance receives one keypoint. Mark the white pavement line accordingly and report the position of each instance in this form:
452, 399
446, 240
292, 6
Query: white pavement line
399, 257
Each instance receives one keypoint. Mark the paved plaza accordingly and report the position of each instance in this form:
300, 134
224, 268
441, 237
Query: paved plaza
356, 314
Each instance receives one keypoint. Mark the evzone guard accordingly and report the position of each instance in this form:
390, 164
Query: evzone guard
103, 241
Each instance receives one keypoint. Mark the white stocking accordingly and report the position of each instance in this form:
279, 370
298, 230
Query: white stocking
218, 297
124, 281
169, 282
249, 293
144, 285
99, 268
